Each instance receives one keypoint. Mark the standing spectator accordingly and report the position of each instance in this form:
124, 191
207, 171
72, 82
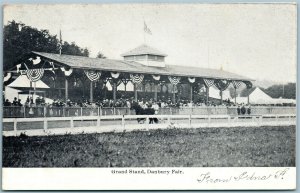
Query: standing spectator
243, 110
238, 110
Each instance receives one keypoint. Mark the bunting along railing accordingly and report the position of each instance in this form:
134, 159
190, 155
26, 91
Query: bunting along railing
222, 84
156, 77
136, 78
174, 79
92, 75
236, 84
208, 82
34, 74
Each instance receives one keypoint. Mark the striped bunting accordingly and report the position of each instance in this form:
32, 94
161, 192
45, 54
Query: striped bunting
136, 79
248, 84
156, 77
115, 75
191, 79
66, 72
7, 77
208, 82
222, 84
35, 74
174, 80
236, 84
92, 75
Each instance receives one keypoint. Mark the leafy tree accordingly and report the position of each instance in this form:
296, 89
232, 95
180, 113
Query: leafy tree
100, 55
284, 91
19, 40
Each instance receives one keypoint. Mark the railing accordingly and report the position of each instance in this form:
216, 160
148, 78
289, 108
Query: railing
120, 123
29, 112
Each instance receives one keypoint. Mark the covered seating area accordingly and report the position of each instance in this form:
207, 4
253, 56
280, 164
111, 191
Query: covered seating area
142, 67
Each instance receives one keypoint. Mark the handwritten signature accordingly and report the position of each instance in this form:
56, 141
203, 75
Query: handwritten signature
208, 178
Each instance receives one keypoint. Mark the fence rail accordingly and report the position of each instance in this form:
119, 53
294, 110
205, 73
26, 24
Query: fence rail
109, 123
29, 112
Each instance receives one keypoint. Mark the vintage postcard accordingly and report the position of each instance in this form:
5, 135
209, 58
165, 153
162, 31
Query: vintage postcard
154, 96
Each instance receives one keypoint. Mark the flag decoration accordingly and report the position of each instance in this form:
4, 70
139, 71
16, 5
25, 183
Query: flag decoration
7, 77
248, 84
34, 74
156, 77
146, 29
208, 82
136, 79
18, 68
236, 84
174, 80
115, 75
222, 84
66, 72
192, 79
92, 75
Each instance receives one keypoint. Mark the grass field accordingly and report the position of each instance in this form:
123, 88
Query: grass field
205, 147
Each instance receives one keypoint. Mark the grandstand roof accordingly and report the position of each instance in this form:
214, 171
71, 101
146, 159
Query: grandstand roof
81, 62
144, 49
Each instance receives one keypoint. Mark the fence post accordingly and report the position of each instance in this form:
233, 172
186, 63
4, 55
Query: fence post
81, 111
98, 121
45, 111
169, 120
72, 123
15, 126
24, 111
228, 119
170, 110
98, 113
45, 124
123, 122
190, 120
114, 110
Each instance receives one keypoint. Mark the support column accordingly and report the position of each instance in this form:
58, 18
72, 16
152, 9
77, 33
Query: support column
115, 92
143, 88
248, 99
66, 89
174, 95
207, 95
221, 94
235, 96
135, 92
91, 92
191, 94
155, 92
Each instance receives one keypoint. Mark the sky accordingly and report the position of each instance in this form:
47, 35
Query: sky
254, 40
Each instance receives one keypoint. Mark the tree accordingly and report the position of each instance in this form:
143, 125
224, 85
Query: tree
100, 55
19, 40
284, 91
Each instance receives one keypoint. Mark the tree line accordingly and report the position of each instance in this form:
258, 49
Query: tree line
20, 39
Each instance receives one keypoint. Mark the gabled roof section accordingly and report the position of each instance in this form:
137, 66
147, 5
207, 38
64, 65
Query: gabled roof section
144, 49
81, 62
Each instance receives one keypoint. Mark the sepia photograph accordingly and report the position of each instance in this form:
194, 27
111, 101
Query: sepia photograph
150, 89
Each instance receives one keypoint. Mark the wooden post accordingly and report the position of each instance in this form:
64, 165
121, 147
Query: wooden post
15, 126
115, 92
91, 91
248, 99
235, 96
174, 95
135, 92
66, 89
207, 95
45, 124
191, 92
72, 123
221, 94
155, 92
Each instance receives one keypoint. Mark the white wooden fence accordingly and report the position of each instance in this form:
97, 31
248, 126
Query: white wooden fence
120, 123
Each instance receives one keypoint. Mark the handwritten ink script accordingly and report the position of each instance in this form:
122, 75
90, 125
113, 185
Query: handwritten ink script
147, 171
244, 176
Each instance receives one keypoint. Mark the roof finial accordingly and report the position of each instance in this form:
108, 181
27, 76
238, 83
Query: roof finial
60, 42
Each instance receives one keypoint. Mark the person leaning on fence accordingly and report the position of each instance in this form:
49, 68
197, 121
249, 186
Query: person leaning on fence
249, 110
238, 110
243, 110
